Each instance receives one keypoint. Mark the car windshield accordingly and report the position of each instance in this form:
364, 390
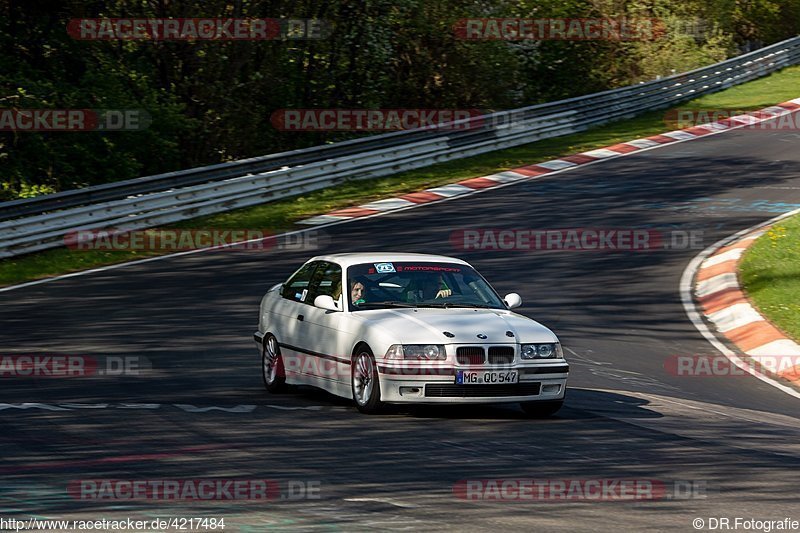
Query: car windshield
411, 284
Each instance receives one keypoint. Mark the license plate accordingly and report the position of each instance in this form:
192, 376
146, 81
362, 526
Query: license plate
488, 377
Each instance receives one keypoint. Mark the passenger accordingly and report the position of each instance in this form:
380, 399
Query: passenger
357, 288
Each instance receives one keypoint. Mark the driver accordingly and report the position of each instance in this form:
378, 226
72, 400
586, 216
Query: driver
337, 293
427, 288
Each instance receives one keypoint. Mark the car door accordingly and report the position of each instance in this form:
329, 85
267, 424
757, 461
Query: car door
327, 345
289, 311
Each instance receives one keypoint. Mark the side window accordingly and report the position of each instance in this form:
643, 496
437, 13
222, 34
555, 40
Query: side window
297, 287
326, 281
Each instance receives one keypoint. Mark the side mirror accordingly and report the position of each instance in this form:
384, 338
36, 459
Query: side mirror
326, 302
512, 300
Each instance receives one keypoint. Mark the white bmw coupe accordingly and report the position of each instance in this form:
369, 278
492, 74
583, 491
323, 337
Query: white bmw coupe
406, 328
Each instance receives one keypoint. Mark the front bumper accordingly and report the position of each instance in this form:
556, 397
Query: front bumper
536, 383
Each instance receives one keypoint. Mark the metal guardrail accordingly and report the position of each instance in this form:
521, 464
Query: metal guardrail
40, 223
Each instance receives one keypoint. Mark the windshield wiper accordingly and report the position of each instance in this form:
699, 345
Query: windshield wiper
449, 305
373, 305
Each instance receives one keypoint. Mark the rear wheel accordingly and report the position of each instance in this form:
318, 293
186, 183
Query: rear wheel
272, 370
364, 382
541, 409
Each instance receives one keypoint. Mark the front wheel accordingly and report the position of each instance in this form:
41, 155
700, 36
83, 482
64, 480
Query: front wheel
541, 409
272, 370
364, 382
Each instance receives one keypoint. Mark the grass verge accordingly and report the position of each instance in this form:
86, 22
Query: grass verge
770, 274
281, 215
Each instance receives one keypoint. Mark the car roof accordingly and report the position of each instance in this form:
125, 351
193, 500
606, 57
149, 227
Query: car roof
348, 259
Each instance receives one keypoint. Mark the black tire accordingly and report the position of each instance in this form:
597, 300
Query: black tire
366, 395
272, 370
541, 409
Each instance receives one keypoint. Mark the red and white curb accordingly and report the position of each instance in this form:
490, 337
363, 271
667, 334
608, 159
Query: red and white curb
724, 304
475, 185
530, 172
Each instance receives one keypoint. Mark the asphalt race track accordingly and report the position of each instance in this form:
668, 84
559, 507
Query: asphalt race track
619, 314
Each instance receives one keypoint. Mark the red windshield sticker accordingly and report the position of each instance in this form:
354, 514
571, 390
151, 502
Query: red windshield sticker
431, 268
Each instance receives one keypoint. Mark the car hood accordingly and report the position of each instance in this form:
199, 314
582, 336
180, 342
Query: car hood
426, 326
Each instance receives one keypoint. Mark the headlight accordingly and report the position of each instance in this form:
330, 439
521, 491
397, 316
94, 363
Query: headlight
541, 351
416, 352
528, 351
